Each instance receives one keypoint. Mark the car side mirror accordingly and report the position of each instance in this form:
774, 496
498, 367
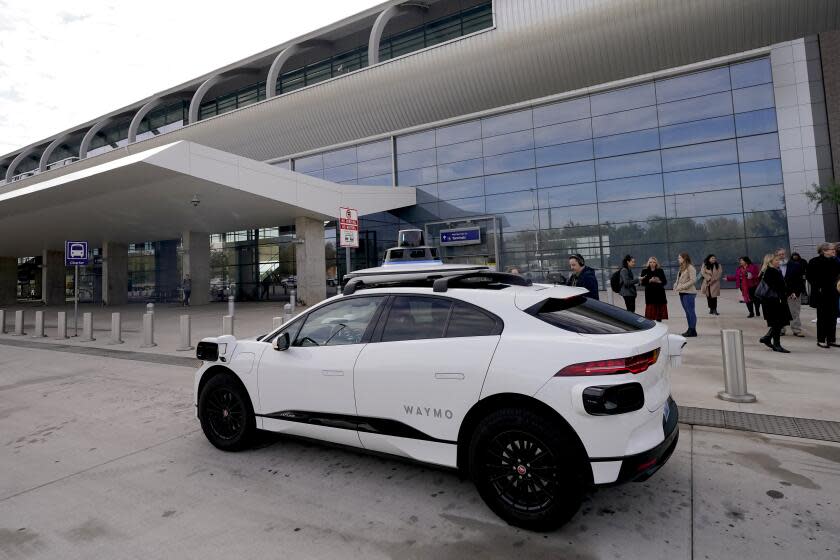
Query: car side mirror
281, 342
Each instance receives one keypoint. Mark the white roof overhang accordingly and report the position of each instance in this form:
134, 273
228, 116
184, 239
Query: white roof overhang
148, 196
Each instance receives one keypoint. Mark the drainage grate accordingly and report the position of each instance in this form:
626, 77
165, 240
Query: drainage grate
762, 423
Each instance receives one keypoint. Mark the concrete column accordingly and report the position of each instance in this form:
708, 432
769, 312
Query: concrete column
53, 277
166, 267
8, 280
114, 273
310, 259
196, 263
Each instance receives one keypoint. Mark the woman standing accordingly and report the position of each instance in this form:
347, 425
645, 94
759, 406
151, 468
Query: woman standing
628, 283
776, 311
653, 279
746, 280
685, 287
823, 272
711, 272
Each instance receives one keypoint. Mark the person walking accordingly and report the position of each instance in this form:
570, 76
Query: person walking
685, 287
823, 272
266, 287
186, 285
711, 271
746, 280
628, 283
583, 276
774, 300
797, 258
794, 275
653, 279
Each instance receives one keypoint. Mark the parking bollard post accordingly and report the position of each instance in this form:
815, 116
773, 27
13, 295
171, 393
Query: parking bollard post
227, 324
39, 325
2, 321
231, 306
148, 330
287, 313
293, 300
150, 307
734, 369
19, 323
186, 343
87, 327
276, 323
62, 325
116, 329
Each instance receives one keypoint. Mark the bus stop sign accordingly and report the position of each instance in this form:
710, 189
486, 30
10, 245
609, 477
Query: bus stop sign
75, 253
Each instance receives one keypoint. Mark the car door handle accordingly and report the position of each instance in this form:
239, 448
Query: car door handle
449, 375
332, 372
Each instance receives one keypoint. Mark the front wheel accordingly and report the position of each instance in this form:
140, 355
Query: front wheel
226, 414
527, 470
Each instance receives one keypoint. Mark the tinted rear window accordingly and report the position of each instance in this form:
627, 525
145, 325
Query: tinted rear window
588, 316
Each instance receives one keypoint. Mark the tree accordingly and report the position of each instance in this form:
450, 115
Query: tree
822, 194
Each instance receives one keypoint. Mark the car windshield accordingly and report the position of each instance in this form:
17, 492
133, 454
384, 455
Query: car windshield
588, 316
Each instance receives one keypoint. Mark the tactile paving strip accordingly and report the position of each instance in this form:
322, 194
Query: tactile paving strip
761, 423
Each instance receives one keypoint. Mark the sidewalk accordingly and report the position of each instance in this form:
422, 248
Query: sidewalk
802, 383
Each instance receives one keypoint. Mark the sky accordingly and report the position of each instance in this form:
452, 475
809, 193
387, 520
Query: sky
64, 63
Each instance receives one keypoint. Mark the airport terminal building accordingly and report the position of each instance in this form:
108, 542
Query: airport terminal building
542, 127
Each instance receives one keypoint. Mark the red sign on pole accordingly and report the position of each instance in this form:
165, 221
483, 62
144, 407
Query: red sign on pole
348, 227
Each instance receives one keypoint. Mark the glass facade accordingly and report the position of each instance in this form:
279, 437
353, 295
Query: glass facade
688, 163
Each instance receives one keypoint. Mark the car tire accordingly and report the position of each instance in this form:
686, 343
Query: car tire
226, 414
527, 469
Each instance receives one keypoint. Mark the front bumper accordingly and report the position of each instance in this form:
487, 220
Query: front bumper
640, 467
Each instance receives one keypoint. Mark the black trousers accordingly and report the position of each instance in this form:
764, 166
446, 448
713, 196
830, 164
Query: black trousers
630, 303
753, 303
712, 303
827, 322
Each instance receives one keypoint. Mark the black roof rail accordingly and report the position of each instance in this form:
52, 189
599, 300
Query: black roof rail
442, 284
439, 281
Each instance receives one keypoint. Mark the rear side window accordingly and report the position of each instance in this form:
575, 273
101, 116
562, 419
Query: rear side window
414, 318
469, 321
588, 316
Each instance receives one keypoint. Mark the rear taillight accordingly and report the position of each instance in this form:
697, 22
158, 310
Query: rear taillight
633, 364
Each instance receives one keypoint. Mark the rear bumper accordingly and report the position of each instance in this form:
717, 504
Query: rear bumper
641, 466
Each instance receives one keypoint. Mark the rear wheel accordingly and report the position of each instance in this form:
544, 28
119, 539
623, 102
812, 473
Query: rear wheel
226, 414
527, 470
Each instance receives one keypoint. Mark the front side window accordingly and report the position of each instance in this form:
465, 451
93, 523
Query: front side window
414, 318
343, 322
587, 316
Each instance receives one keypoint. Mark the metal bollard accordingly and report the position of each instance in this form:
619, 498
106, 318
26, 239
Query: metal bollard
19, 323
231, 306
186, 343
148, 330
87, 327
293, 300
116, 329
227, 325
276, 323
62, 325
2, 321
734, 369
39, 325
287, 313
150, 307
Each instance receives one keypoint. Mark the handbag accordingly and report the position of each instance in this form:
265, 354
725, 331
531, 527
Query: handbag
764, 292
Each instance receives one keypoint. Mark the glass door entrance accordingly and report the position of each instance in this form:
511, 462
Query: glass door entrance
472, 241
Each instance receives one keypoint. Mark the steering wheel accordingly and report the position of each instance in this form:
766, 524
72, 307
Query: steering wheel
343, 333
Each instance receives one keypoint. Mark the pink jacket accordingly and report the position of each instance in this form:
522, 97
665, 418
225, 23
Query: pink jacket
745, 278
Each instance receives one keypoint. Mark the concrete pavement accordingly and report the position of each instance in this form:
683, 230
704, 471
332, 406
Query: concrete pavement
103, 458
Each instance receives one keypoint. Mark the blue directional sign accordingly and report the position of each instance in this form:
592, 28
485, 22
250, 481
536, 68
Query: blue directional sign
461, 236
75, 253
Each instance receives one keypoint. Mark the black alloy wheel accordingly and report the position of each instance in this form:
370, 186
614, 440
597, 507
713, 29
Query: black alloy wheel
528, 469
226, 414
522, 471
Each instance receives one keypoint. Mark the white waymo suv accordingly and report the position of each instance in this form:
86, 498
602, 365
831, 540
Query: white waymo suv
534, 391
